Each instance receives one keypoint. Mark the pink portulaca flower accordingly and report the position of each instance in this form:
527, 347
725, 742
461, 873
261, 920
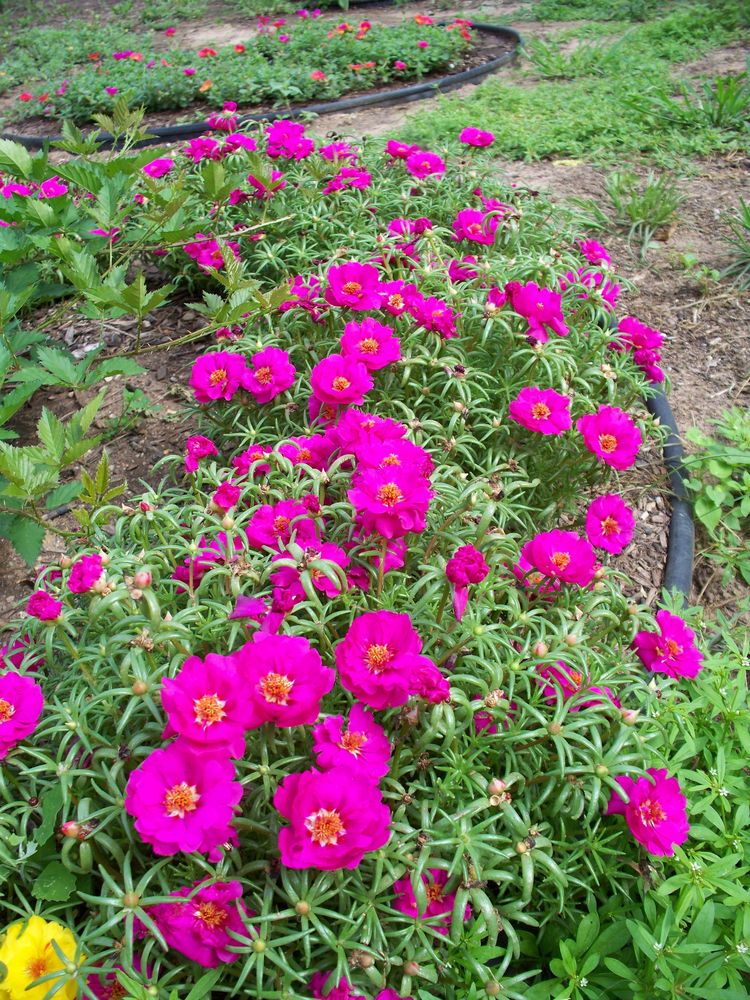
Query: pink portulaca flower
561, 556
21, 704
595, 253
399, 150
264, 190
44, 606
439, 910
476, 137
422, 164
475, 226
463, 270
612, 436
541, 307
53, 187
226, 496
274, 524
201, 925
430, 684
570, 682
361, 744
342, 990
354, 285
84, 573
217, 376
271, 374
467, 565
209, 254
334, 819
644, 343
397, 452
656, 811
308, 449
196, 448
672, 650
252, 455
372, 343
610, 523
205, 705
349, 177
334, 152
391, 501
340, 380
355, 429
287, 140
183, 799
379, 657
283, 680
158, 167
288, 577
541, 410
432, 314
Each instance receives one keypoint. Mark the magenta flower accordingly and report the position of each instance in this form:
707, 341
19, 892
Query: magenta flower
610, 523
432, 314
43, 606
288, 577
283, 680
84, 573
158, 167
271, 374
21, 704
561, 556
672, 650
183, 799
372, 343
335, 818
266, 191
340, 379
422, 164
541, 307
349, 177
475, 226
399, 150
644, 343
595, 253
287, 140
355, 429
248, 457
560, 677
226, 496
201, 925
656, 811
202, 148
397, 452
196, 448
542, 410
236, 141
208, 253
334, 152
476, 137
205, 705
217, 376
429, 683
463, 270
378, 658
361, 745
391, 501
467, 565
273, 525
439, 910
354, 285
308, 449
612, 436
53, 187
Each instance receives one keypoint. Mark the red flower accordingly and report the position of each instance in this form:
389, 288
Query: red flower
205, 53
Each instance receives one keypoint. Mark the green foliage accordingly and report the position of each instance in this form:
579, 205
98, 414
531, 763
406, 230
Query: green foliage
723, 104
642, 207
739, 242
595, 10
720, 480
586, 59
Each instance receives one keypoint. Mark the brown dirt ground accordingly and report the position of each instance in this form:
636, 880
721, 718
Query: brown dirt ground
707, 354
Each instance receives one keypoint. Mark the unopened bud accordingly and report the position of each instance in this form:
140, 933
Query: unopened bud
65, 562
136, 594
227, 522
497, 422
554, 729
259, 946
70, 829
139, 687
521, 847
629, 716
411, 968
104, 558
101, 586
459, 407
142, 579
541, 648
496, 787
131, 900
600, 573
601, 770
302, 907
144, 506
492, 989
571, 640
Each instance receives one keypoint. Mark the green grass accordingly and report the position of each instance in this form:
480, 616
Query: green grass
592, 107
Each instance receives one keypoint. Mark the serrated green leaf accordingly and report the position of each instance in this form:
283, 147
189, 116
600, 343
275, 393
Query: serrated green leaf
51, 433
26, 537
14, 158
63, 495
51, 806
54, 883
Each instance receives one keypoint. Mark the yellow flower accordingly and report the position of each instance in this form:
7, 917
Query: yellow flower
27, 954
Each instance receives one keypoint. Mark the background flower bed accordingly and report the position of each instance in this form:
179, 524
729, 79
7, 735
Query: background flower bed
289, 60
497, 793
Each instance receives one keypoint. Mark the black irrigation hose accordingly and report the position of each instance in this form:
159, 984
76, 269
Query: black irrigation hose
678, 569
415, 92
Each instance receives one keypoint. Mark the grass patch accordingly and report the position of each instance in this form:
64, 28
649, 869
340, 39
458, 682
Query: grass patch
583, 114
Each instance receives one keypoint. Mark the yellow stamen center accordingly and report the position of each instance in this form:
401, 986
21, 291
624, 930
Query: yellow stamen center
607, 442
391, 459
396, 301
351, 288
304, 455
673, 648
352, 742
368, 346
276, 688
211, 914
7, 711
474, 228
263, 375
610, 526
576, 678
280, 525
340, 383
181, 799
560, 560
325, 827
208, 710
377, 657
540, 411
389, 495
217, 376
434, 893
651, 813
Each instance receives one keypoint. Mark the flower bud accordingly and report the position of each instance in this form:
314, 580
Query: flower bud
554, 729
459, 406
600, 573
142, 579
496, 787
136, 594
411, 968
492, 989
629, 716
541, 648
259, 946
302, 907
227, 522
144, 506
104, 558
601, 770
521, 847
65, 562
131, 900
70, 829
139, 687
571, 640
101, 586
